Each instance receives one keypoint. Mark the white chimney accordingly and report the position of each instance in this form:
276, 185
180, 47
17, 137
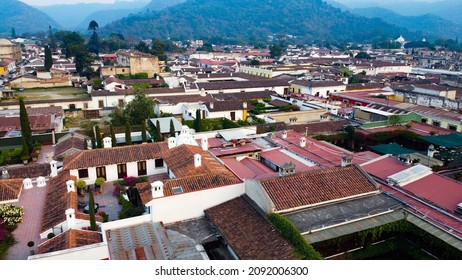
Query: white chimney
89, 144
157, 189
197, 160
70, 218
302, 141
5, 174
346, 161
107, 142
211, 105
27, 183
284, 134
54, 168
205, 143
431, 151
41, 182
171, 142
244, 105
70, 186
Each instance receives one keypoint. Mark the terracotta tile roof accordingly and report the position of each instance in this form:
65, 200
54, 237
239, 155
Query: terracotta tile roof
199, 182
244, 95
312, 84
248, 233
131, 82
10, 189
72, 238
57, 201
106, 156
113, 79
243, 84
69, 146
221, 106
148, 91
180, 160
175, 99
230, 75
305, 189
32, 170
315, 127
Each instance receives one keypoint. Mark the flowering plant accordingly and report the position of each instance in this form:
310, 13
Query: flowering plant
11, 214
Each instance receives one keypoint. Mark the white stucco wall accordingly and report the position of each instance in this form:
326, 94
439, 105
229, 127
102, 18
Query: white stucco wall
255, 191
97, 251
191, 205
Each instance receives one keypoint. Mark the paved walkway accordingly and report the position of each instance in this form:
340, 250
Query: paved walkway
107, 202
29, 229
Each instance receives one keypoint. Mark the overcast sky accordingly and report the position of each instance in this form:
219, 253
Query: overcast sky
53, 2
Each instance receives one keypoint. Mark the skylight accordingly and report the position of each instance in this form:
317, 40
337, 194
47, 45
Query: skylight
409, 175
177, 190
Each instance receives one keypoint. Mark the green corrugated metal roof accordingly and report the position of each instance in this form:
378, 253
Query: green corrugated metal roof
393, 149
449, 140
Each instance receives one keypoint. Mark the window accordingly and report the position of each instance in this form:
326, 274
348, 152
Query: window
159, 163
100, 103
452, 127
121, 170
85, 105
233, 116
121, 102
424, 120
83, 173
358, 104
345, 101
142, 168
436, 123
101, 172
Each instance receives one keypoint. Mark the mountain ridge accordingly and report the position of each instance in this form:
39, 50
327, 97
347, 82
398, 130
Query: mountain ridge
307, 19
16, 14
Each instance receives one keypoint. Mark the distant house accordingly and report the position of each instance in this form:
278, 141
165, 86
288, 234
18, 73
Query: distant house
321, 89
114, 84
165, 125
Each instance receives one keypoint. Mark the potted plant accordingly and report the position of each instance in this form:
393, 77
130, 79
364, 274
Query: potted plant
34, 157
81, 184
99, 182
25, 159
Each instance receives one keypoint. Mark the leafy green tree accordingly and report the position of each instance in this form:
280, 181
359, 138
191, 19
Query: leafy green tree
93, 26
363, 55
144, 137
158, 49
139, 109
91, 212
94, 44
275, 51
206, 47
142, 47
197, 121
81, 184
26, 131
99, 139
113, 138
172, 128
48, 58
128, 134
254, 62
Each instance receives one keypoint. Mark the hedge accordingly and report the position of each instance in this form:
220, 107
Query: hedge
303, 249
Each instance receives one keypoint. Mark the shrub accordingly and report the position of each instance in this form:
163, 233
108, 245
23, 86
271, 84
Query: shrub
131, 181
51, 235
142, 179
99, 181
11, 214
117, 190
303, 249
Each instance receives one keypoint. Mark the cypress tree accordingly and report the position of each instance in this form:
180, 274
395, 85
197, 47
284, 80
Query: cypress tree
113, 138
158, 134
99, 139
26, 131
53, 45
197, 121
128, 134
48, 58
144, 138
172, 128
85, 144
91, 212
13, 33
